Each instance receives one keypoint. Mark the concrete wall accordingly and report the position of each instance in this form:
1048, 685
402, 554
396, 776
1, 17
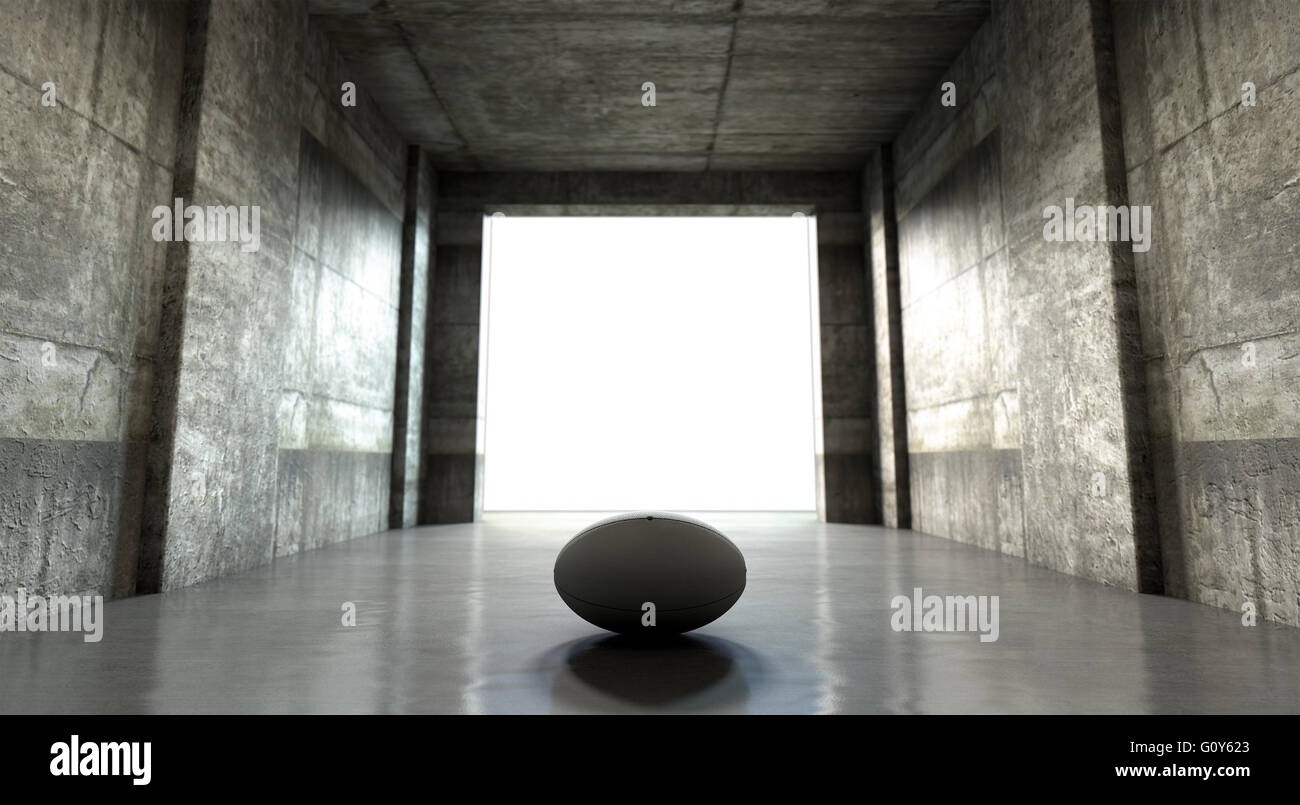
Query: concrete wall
1089, 506
79, 282
851, 485
451, 470
1220, 288
340, 366
959, 349
1126, 416
1025, 397
282, 415
170, 412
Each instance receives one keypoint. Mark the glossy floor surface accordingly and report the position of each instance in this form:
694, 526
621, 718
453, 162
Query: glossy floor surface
465, 619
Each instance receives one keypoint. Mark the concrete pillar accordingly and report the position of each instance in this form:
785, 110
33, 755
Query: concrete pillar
1088, 500
211, 484
408, 396
891, 398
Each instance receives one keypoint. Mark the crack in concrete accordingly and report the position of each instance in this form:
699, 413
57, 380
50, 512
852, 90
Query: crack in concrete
1290, 183
1218, 403
736, 9
81, 404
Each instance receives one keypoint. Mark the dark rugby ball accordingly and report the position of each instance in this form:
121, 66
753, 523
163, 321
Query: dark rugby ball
650, 572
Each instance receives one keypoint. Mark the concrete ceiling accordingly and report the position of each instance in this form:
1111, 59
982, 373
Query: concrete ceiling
740, 84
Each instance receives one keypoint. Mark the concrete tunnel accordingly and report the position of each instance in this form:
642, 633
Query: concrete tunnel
1046, 255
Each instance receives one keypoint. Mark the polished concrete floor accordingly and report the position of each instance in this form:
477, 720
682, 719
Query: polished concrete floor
464, 619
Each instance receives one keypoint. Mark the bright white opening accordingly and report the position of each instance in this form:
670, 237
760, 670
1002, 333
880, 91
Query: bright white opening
649, 363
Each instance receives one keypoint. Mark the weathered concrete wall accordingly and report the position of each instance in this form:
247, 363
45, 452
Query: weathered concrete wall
850, 463
959, 349
79, 282
1220, 289
962, 389
1025, 396
175, 411
337, 403
450, 467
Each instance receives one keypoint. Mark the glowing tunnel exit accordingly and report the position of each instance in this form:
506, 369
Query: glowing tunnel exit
649, 363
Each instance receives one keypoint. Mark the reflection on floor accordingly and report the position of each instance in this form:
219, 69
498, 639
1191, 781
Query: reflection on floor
464, 618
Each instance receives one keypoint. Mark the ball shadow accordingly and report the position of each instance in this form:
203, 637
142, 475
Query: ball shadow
671, 672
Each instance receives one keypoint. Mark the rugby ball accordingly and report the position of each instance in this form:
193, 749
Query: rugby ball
650, 572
